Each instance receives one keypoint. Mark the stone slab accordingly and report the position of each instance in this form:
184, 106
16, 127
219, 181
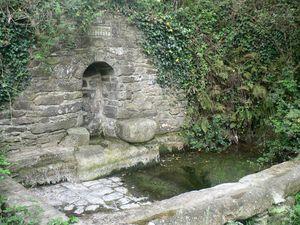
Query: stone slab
95, 161
38, 165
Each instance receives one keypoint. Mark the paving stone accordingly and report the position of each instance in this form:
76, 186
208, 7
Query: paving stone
79, 210
67, 197
113, 196
105, 181
102, 191
123, 201
94, 199
130, 206
76, 187
91, 208
91, 183
69, 207
81, 202
122, 190
99, 186
106, 193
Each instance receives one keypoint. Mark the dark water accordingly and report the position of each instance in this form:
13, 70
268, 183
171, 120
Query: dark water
184, 172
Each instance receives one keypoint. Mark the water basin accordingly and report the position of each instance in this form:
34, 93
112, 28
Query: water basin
179, 173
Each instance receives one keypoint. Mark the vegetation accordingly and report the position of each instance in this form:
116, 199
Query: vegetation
237, 62
279, 216
20, 215
3, 166
31, 30
296, 211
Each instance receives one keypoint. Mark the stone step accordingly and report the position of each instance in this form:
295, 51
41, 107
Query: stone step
95, 161
43, 165
54, 164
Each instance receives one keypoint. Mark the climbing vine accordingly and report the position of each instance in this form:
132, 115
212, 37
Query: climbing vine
31, 30
237, 62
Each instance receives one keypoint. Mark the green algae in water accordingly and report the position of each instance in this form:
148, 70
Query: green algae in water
179, 173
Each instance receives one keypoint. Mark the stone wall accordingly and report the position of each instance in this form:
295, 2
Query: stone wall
56, 99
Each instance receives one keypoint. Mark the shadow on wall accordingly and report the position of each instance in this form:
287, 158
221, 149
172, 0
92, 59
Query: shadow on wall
95, 87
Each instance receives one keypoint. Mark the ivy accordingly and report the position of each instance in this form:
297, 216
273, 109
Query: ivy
31, 30
237, 62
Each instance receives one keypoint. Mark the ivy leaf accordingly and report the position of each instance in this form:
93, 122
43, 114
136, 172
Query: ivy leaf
204, 124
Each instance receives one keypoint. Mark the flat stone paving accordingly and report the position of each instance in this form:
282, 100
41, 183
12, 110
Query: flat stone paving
107, 194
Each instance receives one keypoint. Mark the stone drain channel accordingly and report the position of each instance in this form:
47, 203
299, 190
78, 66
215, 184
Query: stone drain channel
106, 194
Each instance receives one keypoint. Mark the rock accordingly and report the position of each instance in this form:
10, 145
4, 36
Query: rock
112, 196
78, 136
17, 195
43, 165
95, 161
101, 191
81, 202
91, 208
115, 179
123, 201
90, 183
79, 210
136, 130
122, 190
94, 199
130, 206
69, 207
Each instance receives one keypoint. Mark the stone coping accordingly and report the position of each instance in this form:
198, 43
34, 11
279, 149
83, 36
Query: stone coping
17, 195
253, 194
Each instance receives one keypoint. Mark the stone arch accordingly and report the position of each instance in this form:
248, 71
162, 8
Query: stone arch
96, 82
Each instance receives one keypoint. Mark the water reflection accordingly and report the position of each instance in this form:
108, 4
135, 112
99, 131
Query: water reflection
192, 171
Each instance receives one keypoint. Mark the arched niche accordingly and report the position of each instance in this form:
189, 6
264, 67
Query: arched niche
94, 80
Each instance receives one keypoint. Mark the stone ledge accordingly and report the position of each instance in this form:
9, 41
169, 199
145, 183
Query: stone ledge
47, 165
17, 195
252, 195
95, 161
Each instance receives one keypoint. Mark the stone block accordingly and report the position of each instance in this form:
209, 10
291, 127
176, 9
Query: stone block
110, 111
53, 126
136, 130
76, 137
38, 165
95, 160
50, 99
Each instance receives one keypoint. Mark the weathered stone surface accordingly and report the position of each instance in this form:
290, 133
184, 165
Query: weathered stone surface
69, 197
136, 130
126, 90
95, 160
43, 165
17, 195
252, 195
53, 126
169, 142
49, 99
76, 137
